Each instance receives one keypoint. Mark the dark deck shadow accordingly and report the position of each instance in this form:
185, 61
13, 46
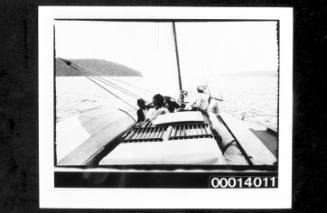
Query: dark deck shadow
268, 139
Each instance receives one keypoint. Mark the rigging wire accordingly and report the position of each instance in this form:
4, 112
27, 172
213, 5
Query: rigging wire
117, 87
145, 90
220, 93
90, 78
111, 92
205, 68
111, 84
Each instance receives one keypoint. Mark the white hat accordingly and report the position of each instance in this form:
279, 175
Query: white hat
201, 87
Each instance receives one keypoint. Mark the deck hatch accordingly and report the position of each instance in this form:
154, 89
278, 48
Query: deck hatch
188, 131
146, 131
143, 132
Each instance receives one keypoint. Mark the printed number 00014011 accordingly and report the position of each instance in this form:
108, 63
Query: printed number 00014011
243, 182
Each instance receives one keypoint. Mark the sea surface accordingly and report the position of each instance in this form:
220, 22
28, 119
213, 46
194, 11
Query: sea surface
251, 98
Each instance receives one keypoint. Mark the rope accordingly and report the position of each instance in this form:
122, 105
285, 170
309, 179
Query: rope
133, 95
111, 92
146, 90
110, 83
71, 64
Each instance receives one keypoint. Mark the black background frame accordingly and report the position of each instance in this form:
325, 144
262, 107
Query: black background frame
19, 190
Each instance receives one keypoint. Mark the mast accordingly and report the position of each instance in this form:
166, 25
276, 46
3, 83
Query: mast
178, 66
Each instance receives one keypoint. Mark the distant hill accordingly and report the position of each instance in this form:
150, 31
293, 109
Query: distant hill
97, 66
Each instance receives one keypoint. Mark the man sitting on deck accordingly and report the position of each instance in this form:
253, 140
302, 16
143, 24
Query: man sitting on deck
141, 111
159, 108
171, 105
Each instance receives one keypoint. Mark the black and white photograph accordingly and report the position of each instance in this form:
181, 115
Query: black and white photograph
166, 93
165, 99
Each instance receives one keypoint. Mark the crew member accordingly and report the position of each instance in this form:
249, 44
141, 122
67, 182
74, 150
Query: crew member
158, 109
201, 101
171, 105
141, 111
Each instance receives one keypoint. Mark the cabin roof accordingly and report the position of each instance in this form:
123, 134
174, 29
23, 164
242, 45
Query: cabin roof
179, 117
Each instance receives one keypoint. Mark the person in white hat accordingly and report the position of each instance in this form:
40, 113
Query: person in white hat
201, 101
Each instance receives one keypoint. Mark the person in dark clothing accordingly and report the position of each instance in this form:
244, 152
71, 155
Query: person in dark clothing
141, 111
158, 109
171, 105
158, 101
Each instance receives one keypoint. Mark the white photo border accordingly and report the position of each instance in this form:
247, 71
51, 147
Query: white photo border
51, 197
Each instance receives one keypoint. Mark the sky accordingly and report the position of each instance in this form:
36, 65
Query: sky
206, 49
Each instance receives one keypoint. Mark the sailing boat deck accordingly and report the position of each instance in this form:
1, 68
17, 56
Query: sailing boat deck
177, 142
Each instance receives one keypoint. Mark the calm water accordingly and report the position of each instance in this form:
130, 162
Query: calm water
253, 98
